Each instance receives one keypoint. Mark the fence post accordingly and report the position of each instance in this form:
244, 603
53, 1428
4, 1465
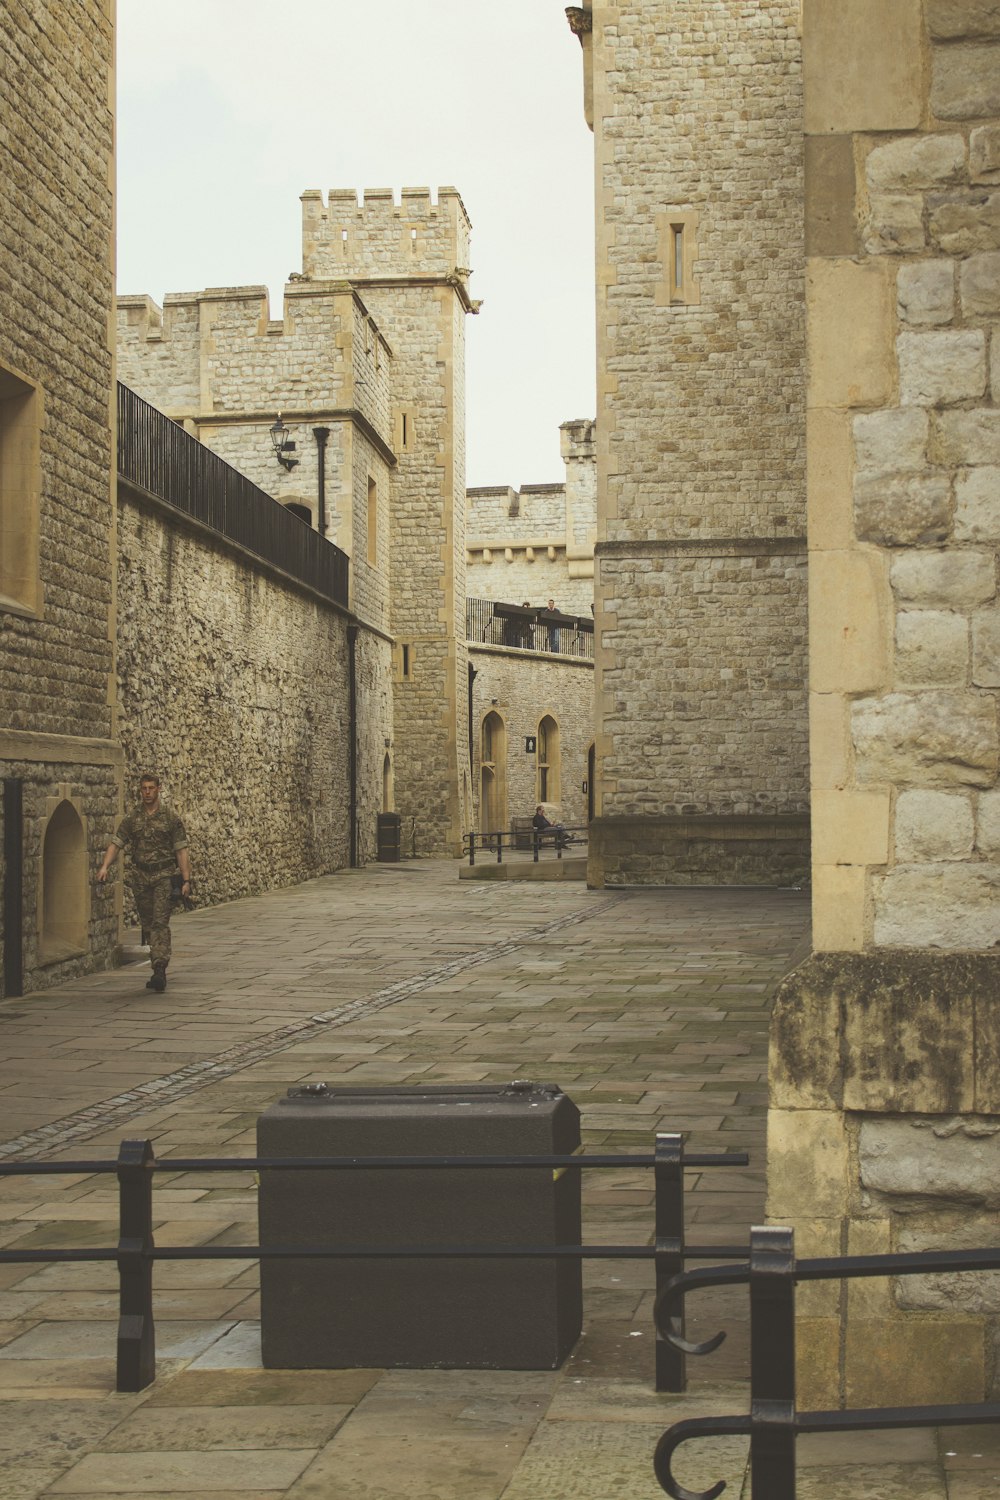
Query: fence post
668, 1174
136, 1334
472, 848
499, 847
772, 1363
534, 843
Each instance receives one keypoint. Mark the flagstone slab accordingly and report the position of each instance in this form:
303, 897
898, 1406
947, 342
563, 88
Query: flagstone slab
238, 1349
83, 1340
191, 1474
205, 1428
876, 1481
614, 1461
198, 1387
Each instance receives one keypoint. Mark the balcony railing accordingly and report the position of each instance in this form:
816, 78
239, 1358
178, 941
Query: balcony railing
490, 623
157, 456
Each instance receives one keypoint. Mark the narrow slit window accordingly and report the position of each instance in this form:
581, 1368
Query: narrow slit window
372, 522
406, 659
678, 236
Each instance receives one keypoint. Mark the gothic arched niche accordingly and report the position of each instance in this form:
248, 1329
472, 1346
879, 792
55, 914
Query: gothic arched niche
64, 890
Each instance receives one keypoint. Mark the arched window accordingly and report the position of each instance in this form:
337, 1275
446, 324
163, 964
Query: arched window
302, 511
547, 751
493, 775
64, 913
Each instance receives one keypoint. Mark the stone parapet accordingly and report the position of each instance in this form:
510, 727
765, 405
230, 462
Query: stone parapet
883, 1135
652, 849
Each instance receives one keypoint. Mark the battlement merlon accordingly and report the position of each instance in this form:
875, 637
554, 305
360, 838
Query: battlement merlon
577, 439
378, 238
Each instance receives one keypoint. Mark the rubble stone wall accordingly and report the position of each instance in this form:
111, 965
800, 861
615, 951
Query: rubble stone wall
234, 687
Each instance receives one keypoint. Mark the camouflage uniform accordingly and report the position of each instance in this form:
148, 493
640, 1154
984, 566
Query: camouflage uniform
152, 841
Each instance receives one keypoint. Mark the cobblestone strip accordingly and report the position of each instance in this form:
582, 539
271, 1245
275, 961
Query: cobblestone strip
193, 1076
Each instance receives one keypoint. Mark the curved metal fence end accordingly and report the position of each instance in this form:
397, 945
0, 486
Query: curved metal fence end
665, 1450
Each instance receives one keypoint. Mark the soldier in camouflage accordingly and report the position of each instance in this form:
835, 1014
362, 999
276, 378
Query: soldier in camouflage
157, 845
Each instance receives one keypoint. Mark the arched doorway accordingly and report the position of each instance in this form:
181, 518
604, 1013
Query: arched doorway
547, 779
64, 913
493, 775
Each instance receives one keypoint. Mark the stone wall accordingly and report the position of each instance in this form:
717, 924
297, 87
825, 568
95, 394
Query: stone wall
700, 584
521, 688
884, 1098
56, 500
234, 687
217, 363
409, 263
537, 543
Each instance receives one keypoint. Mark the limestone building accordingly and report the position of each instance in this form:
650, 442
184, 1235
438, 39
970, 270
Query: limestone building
532, 706
61, 764
366, 369
746, 365
700, 588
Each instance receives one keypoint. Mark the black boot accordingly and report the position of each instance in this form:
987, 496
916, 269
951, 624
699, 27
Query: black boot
159, 980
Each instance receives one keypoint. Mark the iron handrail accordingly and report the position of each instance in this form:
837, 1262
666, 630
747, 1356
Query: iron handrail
551, 838
774, 1423
135, 1253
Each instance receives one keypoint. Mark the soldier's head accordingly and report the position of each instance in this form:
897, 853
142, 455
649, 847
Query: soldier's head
149, 789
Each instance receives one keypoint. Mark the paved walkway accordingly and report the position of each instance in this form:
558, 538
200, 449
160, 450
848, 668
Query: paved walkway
648, 1008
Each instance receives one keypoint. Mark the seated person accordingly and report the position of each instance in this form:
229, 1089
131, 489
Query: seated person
545, 828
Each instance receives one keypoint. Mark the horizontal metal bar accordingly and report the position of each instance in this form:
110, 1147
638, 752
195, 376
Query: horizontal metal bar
899, 1263
692, 1159
45, 1256
54, 1168
411, 1252
378, 1163
874, 1418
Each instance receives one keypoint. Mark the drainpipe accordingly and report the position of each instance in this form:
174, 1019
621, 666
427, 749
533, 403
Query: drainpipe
13, 888
473, 674
321, 434
352, 759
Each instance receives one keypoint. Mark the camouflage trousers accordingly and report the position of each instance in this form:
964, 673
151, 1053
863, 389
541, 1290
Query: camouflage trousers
152, 899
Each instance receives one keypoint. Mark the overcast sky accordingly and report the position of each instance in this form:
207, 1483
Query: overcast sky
228, 109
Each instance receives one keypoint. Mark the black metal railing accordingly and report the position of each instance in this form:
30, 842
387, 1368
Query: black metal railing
526, 629
136, 1251
773, 1422
553, 841
159, 457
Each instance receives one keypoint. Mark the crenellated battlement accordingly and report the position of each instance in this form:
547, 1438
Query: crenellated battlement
380, 237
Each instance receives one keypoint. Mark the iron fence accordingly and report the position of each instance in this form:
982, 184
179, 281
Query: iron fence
136, 1252
159, 457
554, 840
488, 622
773, 1422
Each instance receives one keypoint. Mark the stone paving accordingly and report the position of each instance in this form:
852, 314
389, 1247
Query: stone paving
649, 1008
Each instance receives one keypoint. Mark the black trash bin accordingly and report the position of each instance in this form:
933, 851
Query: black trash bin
387, 838
455, 1313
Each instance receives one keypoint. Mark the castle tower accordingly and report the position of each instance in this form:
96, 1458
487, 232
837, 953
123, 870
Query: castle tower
408, 262
700, 561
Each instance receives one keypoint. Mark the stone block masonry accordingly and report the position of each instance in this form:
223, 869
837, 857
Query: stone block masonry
234, 686
884, 1097
57, 581
409, 262
700, 589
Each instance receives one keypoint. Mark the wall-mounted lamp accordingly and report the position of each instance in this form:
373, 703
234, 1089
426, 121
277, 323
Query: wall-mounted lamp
283, 444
